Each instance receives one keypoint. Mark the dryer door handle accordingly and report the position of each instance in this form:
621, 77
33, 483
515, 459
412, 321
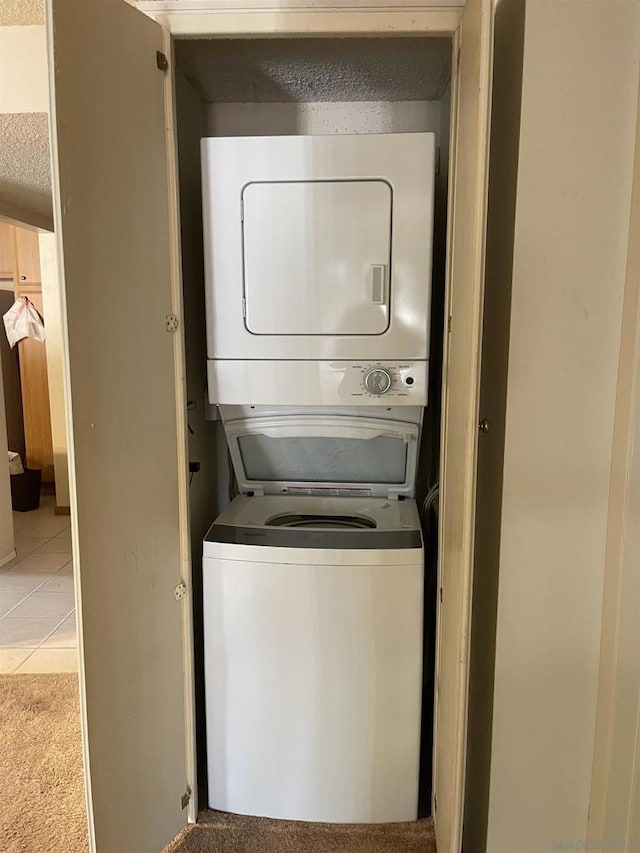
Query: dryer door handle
378, 284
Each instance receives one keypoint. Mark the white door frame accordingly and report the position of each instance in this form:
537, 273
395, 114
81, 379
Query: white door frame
246, 18
617, 690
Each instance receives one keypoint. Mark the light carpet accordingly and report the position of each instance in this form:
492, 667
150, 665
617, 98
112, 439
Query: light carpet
41, 782
216, 832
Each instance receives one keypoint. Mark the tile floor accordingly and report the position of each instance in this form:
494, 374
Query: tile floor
37, 613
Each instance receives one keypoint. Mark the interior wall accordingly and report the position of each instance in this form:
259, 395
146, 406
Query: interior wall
7, 542
203, 503
278, 69
25, 170
55, 376
23, 69
580, 88
279, 119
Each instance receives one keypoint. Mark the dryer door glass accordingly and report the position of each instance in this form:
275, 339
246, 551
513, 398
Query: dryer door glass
317, 257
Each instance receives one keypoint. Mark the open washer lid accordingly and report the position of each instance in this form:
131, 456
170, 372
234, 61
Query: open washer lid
324, 454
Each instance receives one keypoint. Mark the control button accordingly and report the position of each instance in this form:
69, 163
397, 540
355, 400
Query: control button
377, 381
409, 380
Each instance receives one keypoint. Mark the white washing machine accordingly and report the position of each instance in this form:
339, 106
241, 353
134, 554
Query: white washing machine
313, 617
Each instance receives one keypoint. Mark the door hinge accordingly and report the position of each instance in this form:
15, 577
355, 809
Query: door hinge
440, 595
185, 799
438, 160
171, 322
161, 61
244, 308
180, 591
449, 323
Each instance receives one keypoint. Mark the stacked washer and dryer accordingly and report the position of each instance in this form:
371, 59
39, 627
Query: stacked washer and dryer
318, 279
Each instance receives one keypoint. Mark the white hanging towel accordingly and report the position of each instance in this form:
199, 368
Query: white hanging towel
15, 463
23, 320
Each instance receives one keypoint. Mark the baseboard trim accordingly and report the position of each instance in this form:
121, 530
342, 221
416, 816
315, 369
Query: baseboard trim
62, 510
8, 558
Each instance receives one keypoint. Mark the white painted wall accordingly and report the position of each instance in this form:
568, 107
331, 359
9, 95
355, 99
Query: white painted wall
25, 185
579, 99
270, 119
53, 318
23, 89
24, 79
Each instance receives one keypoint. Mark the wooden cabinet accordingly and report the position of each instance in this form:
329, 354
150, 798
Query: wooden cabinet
32, 357
27, 257
20, 263
35, 399
7, 250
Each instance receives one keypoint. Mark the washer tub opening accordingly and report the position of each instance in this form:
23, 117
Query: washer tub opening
319, 522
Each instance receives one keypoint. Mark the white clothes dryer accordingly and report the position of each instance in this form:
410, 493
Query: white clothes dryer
318, 247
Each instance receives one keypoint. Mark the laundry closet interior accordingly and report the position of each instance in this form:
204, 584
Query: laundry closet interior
389, 99
293, 210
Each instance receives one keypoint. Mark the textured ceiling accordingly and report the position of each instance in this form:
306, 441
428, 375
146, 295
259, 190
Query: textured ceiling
25, 171
244, 71
21, 13
317, 69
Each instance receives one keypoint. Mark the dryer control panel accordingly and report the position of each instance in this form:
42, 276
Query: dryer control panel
384, 381
318, 383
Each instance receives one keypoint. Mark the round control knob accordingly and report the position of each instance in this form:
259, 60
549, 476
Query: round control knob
377, 381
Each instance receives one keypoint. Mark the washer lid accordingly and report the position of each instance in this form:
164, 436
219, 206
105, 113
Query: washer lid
342, 455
